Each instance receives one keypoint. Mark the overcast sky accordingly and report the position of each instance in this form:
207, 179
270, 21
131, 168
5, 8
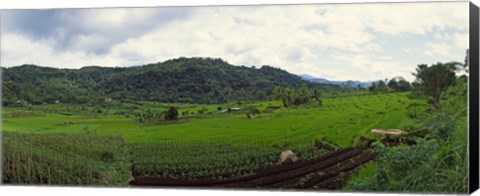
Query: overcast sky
332, 41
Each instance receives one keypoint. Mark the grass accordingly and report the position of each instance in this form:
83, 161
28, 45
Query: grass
338, 122
438, 163
365, 173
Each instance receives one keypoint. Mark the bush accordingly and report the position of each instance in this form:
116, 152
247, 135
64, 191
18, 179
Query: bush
203, 110
171, 113
402, 168
251, 112
442, 126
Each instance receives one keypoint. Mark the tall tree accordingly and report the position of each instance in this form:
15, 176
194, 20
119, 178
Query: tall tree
279, 93
317, 95
433, 81
303, 95
399, 84
393, 84
403, 85
372, 87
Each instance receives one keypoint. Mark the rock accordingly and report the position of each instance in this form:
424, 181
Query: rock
287, 157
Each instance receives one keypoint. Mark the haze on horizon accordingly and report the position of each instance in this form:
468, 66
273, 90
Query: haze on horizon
362, 42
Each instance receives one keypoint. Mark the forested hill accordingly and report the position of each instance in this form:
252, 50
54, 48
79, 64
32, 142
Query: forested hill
189, 80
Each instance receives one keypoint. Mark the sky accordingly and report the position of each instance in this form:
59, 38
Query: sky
363, 42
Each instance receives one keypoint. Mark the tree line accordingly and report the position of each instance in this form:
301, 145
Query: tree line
396, 84
181, 80
292, 97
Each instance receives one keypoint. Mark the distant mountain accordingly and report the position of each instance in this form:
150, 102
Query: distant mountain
184, 80
351, 83
306, 76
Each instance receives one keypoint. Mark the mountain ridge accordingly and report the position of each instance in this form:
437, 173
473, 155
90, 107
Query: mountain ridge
185, 80
351, 83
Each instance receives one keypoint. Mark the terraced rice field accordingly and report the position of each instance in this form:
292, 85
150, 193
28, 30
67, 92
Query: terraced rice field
211, 148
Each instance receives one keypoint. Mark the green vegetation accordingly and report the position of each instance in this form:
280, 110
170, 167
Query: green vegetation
182, 80
332, 121
197, 160
59, 159
396, 84
203, 118
189, 146
291, 97
438, 162
434, 80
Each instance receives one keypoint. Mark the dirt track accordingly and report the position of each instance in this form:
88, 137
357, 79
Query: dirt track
327, 172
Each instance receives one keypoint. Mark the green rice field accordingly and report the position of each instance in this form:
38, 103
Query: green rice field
211, 141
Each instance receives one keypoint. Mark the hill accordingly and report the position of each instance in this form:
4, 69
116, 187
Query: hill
185, 80
350, 83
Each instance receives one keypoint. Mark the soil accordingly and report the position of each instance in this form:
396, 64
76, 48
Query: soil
327, 172
395, 142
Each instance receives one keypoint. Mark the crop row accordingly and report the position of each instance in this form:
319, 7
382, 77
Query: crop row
196, 160
74, 159
61, 159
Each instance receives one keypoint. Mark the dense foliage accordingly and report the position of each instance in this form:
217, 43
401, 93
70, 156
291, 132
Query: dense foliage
439, 160
184, 80
291, 97
396, 84
433, 80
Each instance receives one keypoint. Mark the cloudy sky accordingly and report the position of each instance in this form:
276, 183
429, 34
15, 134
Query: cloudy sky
333, 41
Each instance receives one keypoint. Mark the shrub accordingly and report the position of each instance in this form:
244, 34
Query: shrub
171, 113
442, 126
401, 168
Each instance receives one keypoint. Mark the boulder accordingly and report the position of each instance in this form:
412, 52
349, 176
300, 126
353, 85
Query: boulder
287, 157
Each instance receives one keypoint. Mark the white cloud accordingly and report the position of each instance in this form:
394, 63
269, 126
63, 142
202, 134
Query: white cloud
88, 42
406, 50
321, 40
17, 50
451, 47
437, 49
461, 40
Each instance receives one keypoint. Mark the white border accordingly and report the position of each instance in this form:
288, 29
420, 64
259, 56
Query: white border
45, 4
